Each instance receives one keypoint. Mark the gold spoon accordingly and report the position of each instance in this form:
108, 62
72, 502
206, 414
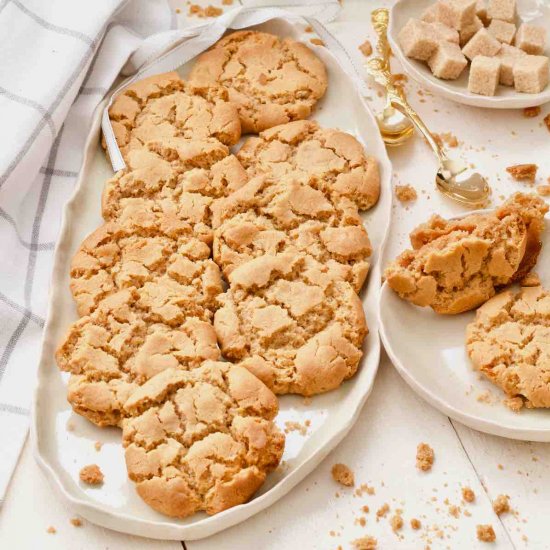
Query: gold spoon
453, 177
395, 127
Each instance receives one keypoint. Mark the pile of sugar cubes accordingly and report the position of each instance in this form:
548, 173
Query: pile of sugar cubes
452, 32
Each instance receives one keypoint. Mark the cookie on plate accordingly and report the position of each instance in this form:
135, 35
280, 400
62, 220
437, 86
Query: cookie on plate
270, 80
173, 275
120, 346
292, 323
327, 159
457, 265
202, 440
165, 114
509, 342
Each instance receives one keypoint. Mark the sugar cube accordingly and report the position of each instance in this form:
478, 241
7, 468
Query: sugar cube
502, 30
531, 39
444, 33
431, 13
508, 56
531, 73
418, 40
457, 13
467, 32
482, 43
448, 61
481, 12
505, 10
484, 75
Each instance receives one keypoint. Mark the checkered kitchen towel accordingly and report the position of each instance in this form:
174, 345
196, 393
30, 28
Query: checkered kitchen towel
58, 58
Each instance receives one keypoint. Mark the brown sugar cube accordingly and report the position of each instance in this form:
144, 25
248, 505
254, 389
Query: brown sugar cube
431, 13
417, 40
444, 33
481, 12
531, 74
486, 533
467, 32
531, 39
484, 75
505, 10
502, 30
482, 43
448, 62
457, 13
508, 56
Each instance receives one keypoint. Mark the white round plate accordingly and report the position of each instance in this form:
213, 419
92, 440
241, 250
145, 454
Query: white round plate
428, 351
536, 12
64, 442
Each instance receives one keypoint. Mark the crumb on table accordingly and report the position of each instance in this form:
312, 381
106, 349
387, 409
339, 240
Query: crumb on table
77, 522
51, 530
416, 524
91, 475
317, 41
543, 190
531, 112
424, 457
523, 172
227, 2
468, 495
501, 504
366, 48
485, 533
342, 474
383, 510
447, 138
98, 445
396, 523
531, 279
365, 543
405, 193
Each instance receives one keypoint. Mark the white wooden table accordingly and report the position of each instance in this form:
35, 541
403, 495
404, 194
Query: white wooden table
381, 447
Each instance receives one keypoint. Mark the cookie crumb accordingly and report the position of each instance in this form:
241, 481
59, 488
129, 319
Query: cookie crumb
317, 41
342, 474
468, 495
382, 511
531, 112
91, 475
547, 121
485, 533
366, 48
405, 193
51, 530
365, 509
416, 524
543, 190
291, 426
446, 138
454, 511
485, 397
227, 2
208, 11
77, 522
98, 445
396, 523
515, 404
531, 279
309, 28
501, 504
178, 10
365, 543
523, 172
424, 457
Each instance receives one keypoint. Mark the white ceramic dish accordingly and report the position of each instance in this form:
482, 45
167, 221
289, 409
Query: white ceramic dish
440, 371
532, 11
61, 452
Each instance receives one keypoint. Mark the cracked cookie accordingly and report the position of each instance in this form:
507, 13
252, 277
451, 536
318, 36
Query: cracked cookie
171, 117
172, 275
291, 322
155, 195
120, 346
270, 80
456, 265
202, 440
327, 159
509, 342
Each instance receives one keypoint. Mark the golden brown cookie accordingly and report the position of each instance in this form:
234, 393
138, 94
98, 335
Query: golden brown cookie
165, 114
291, 322
270, 80
123, 344
201, 440
456, 265
171, 274
327, 159
509, 342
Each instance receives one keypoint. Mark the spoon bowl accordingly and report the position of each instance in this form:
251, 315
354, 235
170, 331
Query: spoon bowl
461, 183
394, 126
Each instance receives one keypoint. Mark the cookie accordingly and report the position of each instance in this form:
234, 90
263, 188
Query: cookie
120, 346
509, 342
155, 195
456, 265
174, 275
327, 159
292, 323
202, 440
270, 80
165, 113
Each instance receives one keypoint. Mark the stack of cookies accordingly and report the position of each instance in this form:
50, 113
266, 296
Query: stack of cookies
279, 221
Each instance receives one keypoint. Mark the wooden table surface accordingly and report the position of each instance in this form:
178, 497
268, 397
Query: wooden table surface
381, 447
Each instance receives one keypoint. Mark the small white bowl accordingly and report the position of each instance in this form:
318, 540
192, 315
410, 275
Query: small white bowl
536, 12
